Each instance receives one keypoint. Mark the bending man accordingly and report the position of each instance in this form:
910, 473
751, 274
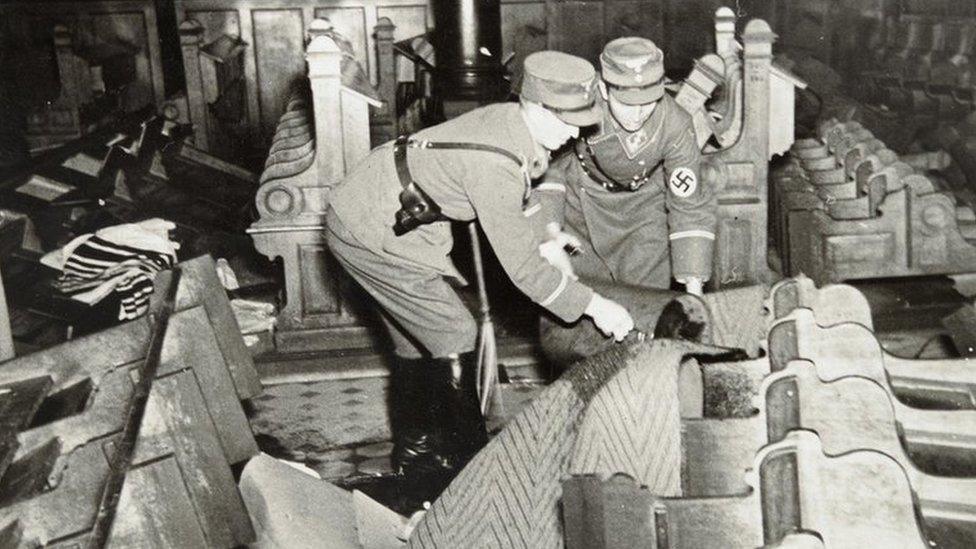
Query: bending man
388, 225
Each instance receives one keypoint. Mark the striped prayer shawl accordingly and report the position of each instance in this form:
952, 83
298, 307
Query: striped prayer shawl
98, 267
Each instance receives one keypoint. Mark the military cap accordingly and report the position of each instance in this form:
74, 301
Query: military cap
564, 84
633, 69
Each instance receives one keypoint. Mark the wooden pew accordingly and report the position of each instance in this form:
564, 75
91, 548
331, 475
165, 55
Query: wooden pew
851, 209
757, 92
180, 489
579, 425
215, 89
107, 60
847, 348
795, 488
936, 449
311, 151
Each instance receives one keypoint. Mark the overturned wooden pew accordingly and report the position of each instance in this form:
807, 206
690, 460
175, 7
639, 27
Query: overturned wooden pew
71, 420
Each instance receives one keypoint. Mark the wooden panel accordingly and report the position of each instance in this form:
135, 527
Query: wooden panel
178, 421
351, 23
128, 28
217, 23
155, 510
636, 18
577, 28
191, 343
410, 21
129, 21
523, 32
318, 299
278, 45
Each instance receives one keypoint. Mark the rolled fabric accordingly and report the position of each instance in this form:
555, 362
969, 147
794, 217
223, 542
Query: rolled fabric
663, 313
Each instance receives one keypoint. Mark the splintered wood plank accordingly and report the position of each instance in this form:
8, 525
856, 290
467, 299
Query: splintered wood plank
191, 344
178, 422
155, 510
199, 285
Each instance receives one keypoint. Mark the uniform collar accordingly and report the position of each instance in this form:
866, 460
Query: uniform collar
522, 143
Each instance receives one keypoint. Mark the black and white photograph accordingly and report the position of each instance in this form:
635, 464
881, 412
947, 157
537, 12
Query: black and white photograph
488, 274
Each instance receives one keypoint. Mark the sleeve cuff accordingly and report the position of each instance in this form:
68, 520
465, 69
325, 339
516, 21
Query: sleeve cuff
569, 300
691, 254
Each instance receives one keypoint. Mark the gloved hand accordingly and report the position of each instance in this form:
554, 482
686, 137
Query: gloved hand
554, 249
693, 285
610, 317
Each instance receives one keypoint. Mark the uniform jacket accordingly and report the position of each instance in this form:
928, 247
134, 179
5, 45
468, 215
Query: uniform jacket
465, 184
631, 229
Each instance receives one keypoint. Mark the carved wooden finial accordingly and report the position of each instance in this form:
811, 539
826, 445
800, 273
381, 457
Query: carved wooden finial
384, 29
322, 44
324, 57
318, 27
191, 32
758, 30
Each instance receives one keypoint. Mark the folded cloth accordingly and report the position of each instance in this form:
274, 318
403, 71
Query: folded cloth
122, 259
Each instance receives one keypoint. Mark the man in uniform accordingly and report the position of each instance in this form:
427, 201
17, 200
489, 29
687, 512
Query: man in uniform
388, 226
631, 193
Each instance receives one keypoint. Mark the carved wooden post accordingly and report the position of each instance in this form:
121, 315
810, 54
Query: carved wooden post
724, 32
191, 37
386, 77
741, 244
294, 195
325, 76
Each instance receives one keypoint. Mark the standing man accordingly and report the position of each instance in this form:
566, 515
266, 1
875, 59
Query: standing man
388, 226
631, 193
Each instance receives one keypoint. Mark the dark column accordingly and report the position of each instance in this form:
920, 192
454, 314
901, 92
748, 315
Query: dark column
467, 41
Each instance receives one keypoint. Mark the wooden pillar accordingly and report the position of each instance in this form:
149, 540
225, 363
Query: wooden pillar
191, 37
325, 77
386, 71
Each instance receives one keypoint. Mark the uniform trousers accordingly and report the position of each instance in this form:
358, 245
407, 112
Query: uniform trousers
423, 313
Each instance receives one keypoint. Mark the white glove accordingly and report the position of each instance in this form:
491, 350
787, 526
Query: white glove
693, 285
610, 317
554, 249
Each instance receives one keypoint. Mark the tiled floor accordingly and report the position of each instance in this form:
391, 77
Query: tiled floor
341, 428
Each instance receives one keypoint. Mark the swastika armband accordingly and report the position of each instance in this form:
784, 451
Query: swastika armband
683, 182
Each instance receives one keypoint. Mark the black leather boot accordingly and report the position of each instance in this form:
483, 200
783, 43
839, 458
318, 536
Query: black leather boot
468, 432
423, 455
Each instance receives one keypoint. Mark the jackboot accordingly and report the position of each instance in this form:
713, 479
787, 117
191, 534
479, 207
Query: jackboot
468, 432
423, 456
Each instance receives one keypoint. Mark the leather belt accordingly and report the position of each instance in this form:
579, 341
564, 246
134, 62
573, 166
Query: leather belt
416, 206
584, 152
